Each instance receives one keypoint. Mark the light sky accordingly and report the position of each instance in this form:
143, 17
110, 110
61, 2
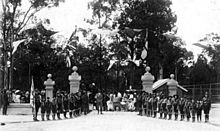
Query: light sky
195, 18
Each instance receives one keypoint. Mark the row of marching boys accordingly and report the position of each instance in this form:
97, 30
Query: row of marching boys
61, 103
150, 105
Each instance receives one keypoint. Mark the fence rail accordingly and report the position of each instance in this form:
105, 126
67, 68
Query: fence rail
197, 91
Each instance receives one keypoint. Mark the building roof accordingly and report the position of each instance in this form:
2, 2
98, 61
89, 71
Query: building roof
161, 82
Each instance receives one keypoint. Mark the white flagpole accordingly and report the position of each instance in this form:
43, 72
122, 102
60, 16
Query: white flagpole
32, 98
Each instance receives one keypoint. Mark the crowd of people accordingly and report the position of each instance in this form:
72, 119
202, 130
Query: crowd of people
152, 105
73, 104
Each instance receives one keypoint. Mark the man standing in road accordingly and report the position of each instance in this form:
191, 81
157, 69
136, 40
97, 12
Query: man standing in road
206, 106
99, 99
5, 102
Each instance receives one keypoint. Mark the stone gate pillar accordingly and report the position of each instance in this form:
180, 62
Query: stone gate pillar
147, 81
74, 79
172, 85
49, 83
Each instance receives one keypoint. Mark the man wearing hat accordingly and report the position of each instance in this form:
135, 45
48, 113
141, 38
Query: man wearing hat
59, 101
5, 102
206, 106
37, 104
48, 108
99, 99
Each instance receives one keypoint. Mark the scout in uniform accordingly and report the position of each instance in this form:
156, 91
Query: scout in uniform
154, 102
199, 110
36, 103
59, 101
99, 99
206, 107
160, 109
43, 108
193, 110
146, 104
150, 105
71, 105
181, 108
48, 108
187, 109
54, 108
65, 105
169, 107
164, 107
175, 106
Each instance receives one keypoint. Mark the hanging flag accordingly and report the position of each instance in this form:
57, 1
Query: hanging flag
68, 62
146, 41
201, 46
112, 62
15, 44
144, 52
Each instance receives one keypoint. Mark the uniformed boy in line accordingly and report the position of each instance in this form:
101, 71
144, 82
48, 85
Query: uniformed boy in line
65, 105
54, 107
169, 107
59, 100
71, 105
193, 110
150, 110
206, 106
43, 108
164, 107
48, 108
37, 103
187, 109
154, 105
146, 104
199, 110
175, 106
181, 108
160, 108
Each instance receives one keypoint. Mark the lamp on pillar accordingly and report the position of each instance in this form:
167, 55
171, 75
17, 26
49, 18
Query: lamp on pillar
172, 85
74, 79
49, 83
147, 80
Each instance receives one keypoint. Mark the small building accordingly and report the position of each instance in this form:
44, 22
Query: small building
162, 86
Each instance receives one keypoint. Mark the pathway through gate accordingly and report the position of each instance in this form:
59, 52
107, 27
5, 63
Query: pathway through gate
116, 121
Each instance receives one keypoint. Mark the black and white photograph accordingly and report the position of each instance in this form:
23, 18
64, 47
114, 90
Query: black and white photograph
109, 65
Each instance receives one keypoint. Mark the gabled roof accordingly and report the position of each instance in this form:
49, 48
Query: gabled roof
161, 82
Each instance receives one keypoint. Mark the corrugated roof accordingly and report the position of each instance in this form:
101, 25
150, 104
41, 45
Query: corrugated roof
161, 82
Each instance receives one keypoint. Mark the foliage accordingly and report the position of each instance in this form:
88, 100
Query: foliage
14, 20
201, 72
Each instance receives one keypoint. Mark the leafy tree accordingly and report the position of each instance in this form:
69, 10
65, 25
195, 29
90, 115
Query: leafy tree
201, 72
153, 17
13, 22
212, 49
37, 59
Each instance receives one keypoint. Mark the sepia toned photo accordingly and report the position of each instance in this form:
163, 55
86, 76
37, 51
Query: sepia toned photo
109, 65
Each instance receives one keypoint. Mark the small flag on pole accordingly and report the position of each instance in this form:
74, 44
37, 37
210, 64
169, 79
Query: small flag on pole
68, 62
15, 44
144, 52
